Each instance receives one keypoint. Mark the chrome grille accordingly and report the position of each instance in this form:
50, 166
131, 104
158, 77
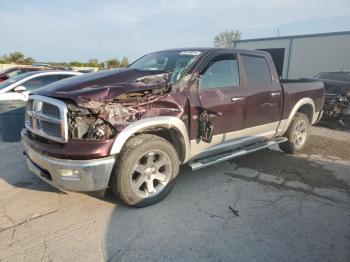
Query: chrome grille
51, 128
47, 117
51, 110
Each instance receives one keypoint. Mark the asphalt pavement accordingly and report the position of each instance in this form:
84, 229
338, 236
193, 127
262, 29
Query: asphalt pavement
267, 206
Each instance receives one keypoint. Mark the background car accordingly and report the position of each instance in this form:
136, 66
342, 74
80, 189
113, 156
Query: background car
335, 82
14, 71
41, 64
336, 109
19, 87
14, 94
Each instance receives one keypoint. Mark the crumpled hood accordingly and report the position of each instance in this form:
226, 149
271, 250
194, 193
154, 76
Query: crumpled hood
105, 85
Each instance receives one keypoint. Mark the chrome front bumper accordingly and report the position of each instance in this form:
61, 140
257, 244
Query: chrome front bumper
66, 174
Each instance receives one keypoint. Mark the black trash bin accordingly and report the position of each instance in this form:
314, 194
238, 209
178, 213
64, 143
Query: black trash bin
11, 120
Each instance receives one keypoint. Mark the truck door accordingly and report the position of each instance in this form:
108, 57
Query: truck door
263, 98
219, 101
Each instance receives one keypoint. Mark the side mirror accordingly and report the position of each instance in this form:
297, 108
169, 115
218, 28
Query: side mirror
20, 89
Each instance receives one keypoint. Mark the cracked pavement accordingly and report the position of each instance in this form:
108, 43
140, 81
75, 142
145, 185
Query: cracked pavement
267, 206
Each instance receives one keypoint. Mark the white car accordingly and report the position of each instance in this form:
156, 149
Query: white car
19, 87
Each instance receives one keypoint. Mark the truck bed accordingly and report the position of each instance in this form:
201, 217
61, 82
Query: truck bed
297, 89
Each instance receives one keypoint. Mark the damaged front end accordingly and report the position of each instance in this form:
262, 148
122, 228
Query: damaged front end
99, 120
84, 124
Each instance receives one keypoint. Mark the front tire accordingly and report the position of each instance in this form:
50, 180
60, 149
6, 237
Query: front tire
146, 171
297, 134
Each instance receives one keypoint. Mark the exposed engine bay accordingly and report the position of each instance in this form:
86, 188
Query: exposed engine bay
83, 124
95, 120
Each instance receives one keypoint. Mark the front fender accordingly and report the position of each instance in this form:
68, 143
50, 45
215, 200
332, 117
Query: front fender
152, 122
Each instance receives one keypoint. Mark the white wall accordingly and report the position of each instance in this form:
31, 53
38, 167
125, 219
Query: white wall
312, 55
309, 55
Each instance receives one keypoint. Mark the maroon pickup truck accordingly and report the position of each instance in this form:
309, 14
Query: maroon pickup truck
130, 129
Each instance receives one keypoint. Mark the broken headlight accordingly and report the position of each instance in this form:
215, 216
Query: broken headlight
83, 124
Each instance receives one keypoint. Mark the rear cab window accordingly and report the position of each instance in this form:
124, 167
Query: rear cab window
256, 68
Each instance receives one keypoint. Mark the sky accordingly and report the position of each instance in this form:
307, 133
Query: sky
81, 29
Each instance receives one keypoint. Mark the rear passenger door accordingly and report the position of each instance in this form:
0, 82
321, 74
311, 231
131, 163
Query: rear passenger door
263, 96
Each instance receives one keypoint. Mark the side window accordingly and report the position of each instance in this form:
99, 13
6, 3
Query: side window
256, 70
40, 81
222, 71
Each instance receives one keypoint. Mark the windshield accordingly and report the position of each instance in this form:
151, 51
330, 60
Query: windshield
12, 80
177, 62
338, 76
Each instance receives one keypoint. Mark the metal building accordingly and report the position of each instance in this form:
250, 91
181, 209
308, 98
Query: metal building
305, 55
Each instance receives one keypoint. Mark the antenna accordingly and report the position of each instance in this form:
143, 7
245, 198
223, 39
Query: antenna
278, 32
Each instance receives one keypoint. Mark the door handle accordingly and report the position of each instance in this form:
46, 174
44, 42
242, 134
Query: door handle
275, 93
236, 99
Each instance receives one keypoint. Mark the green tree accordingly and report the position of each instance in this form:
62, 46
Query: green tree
15, 57
227, 39
112, 63
76, 63
28, 61
93, 62
125, 62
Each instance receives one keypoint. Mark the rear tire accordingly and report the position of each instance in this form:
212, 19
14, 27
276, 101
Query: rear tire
145, 171
297, 134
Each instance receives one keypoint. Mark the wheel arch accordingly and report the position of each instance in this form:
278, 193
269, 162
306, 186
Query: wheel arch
305, 105
308, 110
170, 128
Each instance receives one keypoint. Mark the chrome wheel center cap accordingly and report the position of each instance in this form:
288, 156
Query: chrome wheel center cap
149, 171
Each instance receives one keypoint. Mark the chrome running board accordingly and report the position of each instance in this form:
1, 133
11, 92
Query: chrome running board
212, 160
